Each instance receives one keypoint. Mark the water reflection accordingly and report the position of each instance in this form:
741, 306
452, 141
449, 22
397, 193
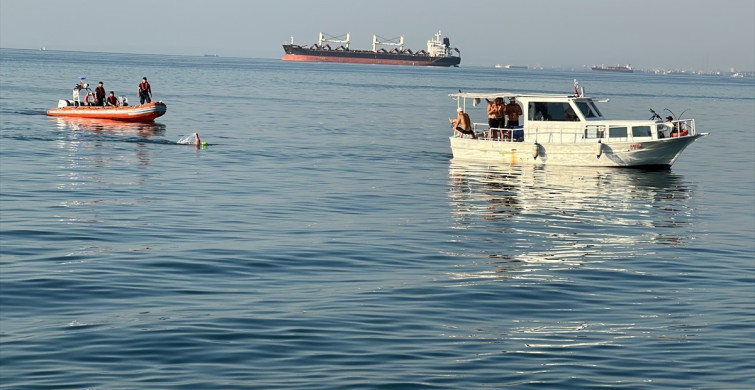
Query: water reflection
89, 135
563, 216
88, 145
143, 130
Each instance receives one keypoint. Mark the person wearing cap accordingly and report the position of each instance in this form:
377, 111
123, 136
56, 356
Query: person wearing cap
674, 126
462, 124
145, 91
513, 111
99, 94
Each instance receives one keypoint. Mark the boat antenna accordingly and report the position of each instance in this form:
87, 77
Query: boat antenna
672, 113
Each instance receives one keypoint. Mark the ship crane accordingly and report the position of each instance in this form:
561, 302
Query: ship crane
387, 42
324, 38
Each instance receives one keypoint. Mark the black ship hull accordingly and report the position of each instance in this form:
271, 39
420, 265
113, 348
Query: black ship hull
299, 53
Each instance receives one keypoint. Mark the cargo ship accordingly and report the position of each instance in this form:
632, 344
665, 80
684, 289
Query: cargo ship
439, 52
617, 68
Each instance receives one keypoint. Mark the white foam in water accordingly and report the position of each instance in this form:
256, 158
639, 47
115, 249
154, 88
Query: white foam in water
188, 139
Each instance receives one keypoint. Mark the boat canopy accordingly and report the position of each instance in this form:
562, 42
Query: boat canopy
493, 95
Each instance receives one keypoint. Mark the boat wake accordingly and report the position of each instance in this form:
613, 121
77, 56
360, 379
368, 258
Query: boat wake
192, 139
30, 112
187, 140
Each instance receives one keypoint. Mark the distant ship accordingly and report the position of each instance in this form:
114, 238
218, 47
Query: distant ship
438, 53
617, 68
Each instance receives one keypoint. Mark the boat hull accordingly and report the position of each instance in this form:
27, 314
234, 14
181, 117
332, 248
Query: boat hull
655, 154
140, 113
295, 53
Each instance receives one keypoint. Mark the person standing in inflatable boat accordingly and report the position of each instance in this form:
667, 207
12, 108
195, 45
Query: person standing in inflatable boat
145, 91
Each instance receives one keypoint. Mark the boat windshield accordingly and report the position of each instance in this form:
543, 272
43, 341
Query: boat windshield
551, 111
588, 109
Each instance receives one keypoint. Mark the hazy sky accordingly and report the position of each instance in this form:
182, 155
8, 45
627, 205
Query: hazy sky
693, 34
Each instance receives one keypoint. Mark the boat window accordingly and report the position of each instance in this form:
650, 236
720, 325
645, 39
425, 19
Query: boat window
537, 111
594, 132
617, 132
587, 110
641, 131
549, 111
594, 107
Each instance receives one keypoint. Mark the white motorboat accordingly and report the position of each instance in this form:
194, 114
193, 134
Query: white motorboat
570, 130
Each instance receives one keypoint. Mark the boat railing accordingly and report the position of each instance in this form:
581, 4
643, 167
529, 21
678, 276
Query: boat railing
484, 131
591, 133
559, 137
587, 134
685, 124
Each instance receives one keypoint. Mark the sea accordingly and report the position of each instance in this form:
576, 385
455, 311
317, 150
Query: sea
325, 238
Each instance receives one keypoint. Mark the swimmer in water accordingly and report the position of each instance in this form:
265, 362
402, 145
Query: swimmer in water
199, 143
192, 139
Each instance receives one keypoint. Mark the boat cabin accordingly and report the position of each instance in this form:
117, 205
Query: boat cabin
566, 119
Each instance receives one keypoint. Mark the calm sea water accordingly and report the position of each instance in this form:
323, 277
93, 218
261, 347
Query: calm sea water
325, 239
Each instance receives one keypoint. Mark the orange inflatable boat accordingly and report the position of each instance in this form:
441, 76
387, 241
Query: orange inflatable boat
140, 113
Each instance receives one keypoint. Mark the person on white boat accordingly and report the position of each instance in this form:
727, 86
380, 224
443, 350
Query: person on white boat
112, 100
669, 119
541, 112
462, 124
496, 113
145, 91
570, 115
513, 111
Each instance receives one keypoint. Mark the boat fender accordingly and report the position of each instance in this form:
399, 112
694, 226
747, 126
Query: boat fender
535, 150
600, 149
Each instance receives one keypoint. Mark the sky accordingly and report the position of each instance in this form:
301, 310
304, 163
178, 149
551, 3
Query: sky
696, 35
